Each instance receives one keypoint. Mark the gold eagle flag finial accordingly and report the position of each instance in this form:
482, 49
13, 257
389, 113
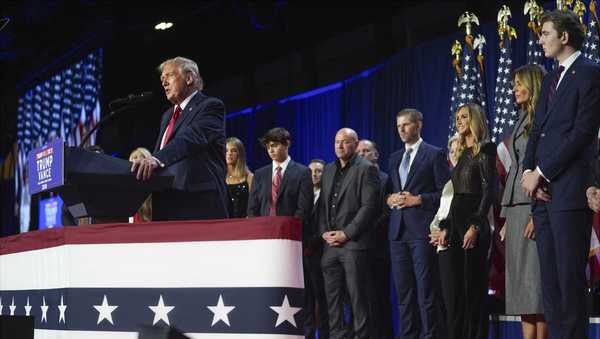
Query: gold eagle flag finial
593, 8
479, 44
579, 9
504, 14
535, 11
468, 19
456, 51
564, 5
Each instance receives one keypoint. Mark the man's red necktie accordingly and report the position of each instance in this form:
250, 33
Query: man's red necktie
171, 126
275, 191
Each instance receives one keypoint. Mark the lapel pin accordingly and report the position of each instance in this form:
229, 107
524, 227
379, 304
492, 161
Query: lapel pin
573, 72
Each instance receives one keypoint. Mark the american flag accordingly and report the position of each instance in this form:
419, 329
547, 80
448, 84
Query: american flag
63, 106
591, 46
506, 113
467, 84
535, 54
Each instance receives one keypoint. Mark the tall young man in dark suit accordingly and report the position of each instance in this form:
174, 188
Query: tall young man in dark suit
561, 146
418, 173
284, 187
349, 199
191, 146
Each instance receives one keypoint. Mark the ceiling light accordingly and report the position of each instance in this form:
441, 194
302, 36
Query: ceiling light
163, 26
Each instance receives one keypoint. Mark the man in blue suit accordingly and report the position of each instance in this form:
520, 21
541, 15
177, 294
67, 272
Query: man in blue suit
561, 146
417, 175
191, 146
284, 187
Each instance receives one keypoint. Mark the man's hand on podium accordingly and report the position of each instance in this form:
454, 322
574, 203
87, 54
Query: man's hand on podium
144, 168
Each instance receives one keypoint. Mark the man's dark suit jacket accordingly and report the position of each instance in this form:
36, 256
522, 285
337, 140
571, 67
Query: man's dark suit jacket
195, 155
595, 174
295, 197
563, 139
428, 174
357, 202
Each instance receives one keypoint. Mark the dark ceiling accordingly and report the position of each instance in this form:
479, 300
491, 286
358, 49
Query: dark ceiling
227, 38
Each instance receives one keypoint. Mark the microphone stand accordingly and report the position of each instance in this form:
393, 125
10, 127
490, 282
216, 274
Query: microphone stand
103, 122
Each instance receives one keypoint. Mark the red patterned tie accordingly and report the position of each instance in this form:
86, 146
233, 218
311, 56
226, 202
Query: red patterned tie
170, 126
275, 191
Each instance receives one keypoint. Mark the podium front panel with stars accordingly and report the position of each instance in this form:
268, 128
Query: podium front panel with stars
238, 278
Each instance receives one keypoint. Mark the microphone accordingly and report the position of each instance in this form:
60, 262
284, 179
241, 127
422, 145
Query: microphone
124, 103
4, 22
131, 99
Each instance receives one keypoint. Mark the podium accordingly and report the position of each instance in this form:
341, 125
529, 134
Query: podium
91, 184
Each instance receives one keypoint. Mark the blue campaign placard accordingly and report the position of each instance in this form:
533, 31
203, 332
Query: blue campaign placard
50, 213
46, 167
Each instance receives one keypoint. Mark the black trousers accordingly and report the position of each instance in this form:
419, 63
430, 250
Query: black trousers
346, 270
563, 242
464, 275
315, 302
379, 291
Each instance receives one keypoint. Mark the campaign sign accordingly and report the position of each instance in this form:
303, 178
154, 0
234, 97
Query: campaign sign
46, 167
50, 213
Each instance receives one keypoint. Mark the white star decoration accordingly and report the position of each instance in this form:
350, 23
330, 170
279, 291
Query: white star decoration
12, 307
27, 308
44, 308
220, 312
285, 312
161, 311
105, 311
62, 308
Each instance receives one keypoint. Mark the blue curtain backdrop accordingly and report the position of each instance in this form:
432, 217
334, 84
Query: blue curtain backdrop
419, 77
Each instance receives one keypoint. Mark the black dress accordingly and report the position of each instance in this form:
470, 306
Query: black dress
238, 198
464, 273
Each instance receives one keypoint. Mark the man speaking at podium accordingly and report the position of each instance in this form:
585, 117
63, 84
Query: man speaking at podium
191, 146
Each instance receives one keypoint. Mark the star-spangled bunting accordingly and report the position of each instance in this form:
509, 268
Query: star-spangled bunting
194, 310
62, 309
27, 308
285, 312
44, 309
12, 307
161, 312
105, 311
220, 312
506, 113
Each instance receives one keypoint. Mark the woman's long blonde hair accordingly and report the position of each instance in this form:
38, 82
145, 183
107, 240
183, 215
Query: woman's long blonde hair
530, 77
477, 126
240, 169
145, 211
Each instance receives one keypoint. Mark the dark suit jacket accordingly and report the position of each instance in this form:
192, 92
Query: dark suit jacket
382, 216
594, 178
195, 155
428, 174
357, 202
295, 197
563, 139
